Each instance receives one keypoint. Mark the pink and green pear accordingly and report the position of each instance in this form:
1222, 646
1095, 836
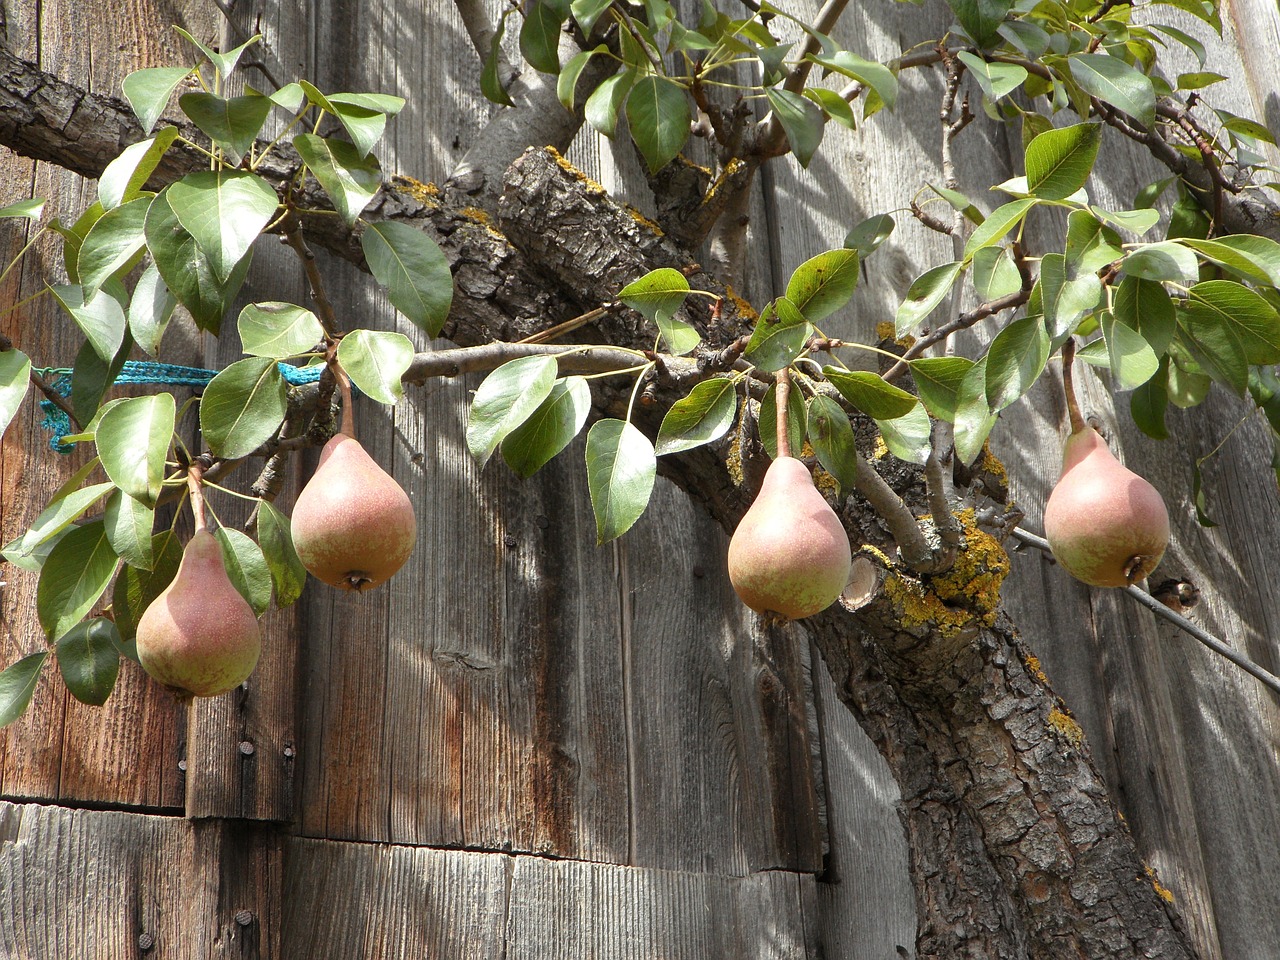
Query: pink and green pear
200, 636
789, 554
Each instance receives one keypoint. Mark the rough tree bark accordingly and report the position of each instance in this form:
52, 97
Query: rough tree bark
1016, 847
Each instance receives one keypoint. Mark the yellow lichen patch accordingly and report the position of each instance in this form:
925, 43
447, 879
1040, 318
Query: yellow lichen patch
975, 578
733, 461
885, 330
591, 185
426, 194
1163, 892
880, 450
876, 552
1066, 726
827, 485
730, 169
990, 463
644, 221
476, 215
1033, 664
740, 306
685, 161
921, 607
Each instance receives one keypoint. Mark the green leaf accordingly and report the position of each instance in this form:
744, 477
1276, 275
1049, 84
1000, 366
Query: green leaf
1198, 80
89, 659
779, 336
550, 428
1059, 161
73, 236
938, 380
995, 275
100, 316
275, 537
768, 422
1187, 384
26, 209
1090, 245
869, 73
994, 227
1216, 353
133, 443
15, 375
823, 284
275, 329
658, 115
1254, 258
73, 578
1063, 300
349, 180
233, 123
150, 309
996, 79
926, 293
136, 588
246, 567
1240, 313
1198, 495
908, 436
506, 399
1132, 360
92, 376
981, 19
1148, 403
1145, 306
540, 37
621, 467
64, 506
587, 12
128, 523
658, 295
125, 176
605, 103
1138, 221
186, 270
704, 416
289, 97
490, 80
567, 84
364, 116
376, 360
242, 407
801, 119
18, 685
869, 234
414, 270
831, 437
1015, 360
224, 211
974, 417
871, 393
833, 106
1115, 82
1163, 261
1188, 41
148, 92
224, 63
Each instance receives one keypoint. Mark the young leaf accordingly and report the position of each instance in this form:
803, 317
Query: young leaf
26, 209
704, 416
1090, 245
908, 436
871, 393
133, 443
364, 116
996, 79
567, 83
242, 407
994, 227
490, 79
621, 467
1016, 358
505, 399
224, 63
274, 329
224, 211
125, 176
658, 295
89, 660
148, 92
100, 316
233, 123
823, 284
1115, 82
550, 428
831, 437
876, 76
779, 336
938, 380
376, 360
927, 291
150, 309
15, 376
246, 567
1059, 161
288, 575
414, 270
18, 684
73, 577
869, 234
658, 115
801, 119
349, 179
65, 505
995, 275
128, 523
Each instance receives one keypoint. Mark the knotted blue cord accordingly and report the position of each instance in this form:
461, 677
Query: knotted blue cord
58, 423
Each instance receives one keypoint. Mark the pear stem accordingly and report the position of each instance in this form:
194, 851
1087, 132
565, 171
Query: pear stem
344, 384
783, 379
1068, 385
195, 484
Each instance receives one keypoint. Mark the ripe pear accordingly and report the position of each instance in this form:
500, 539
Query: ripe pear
200, 635
1107, 525
790, 553
353, 526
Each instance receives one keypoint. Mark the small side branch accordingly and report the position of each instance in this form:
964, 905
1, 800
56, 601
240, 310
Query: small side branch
896, 515
324, 308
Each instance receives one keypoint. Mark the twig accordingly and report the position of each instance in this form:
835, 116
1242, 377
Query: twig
897, 516
962, 322
772, 134
1164, 612
57, 399
324, 309
560, 329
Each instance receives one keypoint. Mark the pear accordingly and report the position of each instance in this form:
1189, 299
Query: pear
790, 553
353, 526
1107, 525
200, 636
